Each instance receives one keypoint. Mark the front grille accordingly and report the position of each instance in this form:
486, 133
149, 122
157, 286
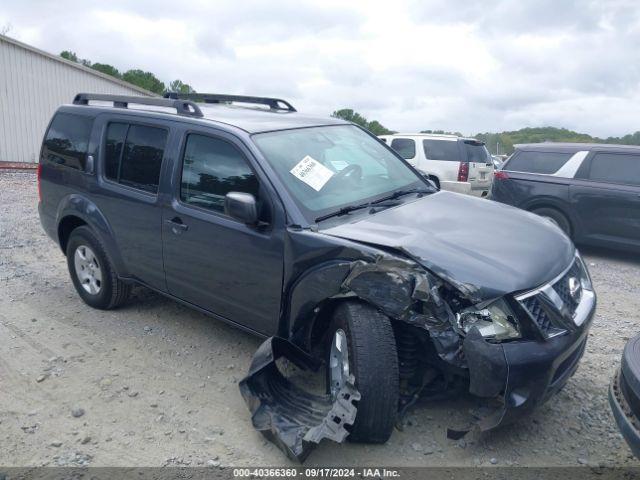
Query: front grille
552, 307
562, 287
538, 315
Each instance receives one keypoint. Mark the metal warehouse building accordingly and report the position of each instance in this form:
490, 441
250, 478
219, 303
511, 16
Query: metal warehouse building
33, 84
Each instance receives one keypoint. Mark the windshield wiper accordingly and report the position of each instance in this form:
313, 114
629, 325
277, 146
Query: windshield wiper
343, 211
351, 208
400, 193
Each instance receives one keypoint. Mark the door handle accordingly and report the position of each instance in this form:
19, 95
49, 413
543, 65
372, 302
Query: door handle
177, 226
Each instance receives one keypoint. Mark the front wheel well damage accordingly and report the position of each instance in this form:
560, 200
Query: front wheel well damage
431, 354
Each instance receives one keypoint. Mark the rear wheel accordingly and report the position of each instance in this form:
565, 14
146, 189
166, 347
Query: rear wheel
361, 342
556, 217
91, 271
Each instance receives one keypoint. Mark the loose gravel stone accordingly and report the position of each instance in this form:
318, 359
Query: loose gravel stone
77, 412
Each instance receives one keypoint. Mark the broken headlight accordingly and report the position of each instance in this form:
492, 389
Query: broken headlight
495, 321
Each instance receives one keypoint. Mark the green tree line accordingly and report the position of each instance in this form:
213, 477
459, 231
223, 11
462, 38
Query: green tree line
136, 76
502, 142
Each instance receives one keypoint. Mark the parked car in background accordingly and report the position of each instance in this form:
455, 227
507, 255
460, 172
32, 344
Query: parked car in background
591, 191
624, 395
453, 163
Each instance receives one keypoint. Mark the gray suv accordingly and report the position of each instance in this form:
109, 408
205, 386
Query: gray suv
312, 232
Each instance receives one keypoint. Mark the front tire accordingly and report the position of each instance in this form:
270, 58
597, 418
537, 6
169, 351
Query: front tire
93, 275
373, 360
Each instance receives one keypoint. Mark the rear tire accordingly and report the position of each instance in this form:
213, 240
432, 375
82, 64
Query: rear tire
92, 273
556, 217
373, 360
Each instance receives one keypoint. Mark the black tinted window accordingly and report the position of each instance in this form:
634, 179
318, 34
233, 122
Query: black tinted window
537, 162
67, 140
615, 168
133, 155
441, 150
404, 146
211, 169
476, 152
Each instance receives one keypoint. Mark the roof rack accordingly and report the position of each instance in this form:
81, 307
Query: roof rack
183, 107
273, 103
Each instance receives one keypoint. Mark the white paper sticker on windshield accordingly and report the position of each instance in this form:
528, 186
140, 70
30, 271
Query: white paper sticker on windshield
312, 172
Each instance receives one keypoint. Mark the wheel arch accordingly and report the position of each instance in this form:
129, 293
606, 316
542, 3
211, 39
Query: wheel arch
77, 210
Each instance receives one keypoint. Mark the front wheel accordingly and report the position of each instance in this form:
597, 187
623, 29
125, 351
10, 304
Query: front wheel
361, 342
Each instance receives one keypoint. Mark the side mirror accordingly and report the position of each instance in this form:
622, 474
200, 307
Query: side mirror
241, 206
431, 182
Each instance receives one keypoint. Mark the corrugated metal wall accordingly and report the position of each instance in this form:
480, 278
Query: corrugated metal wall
32, 85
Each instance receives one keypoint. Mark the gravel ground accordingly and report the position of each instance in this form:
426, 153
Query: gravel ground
155, 383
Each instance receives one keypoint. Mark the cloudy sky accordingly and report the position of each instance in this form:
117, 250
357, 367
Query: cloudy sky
411, 64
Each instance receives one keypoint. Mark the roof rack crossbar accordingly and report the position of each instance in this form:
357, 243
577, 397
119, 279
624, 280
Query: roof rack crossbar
272, 103
183, 107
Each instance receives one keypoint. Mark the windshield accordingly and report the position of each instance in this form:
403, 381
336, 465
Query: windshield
328, 168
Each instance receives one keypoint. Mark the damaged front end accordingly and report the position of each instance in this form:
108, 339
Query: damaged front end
448, 342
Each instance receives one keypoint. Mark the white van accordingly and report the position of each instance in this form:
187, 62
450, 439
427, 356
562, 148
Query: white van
458, 164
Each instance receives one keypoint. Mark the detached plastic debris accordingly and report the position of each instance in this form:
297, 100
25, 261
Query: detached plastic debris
295, 420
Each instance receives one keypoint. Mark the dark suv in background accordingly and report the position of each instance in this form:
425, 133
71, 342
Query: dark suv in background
591, 191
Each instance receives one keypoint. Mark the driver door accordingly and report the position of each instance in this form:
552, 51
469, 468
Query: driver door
210, 259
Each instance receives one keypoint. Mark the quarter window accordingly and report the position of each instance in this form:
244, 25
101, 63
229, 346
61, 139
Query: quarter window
406, 147
67, 140
133, 155
441, 150
212, 168
615, 168
537, 162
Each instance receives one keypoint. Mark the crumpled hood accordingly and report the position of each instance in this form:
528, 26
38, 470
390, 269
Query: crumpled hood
484, 248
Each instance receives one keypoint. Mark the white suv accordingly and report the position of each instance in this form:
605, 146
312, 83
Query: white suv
458, 164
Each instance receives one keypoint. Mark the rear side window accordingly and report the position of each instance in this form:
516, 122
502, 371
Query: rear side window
441, 150
133, 155
615, 168
67, 140
211, 168
406, 147
537, 162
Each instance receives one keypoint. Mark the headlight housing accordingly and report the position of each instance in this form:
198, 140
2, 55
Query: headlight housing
496, 321
585, 279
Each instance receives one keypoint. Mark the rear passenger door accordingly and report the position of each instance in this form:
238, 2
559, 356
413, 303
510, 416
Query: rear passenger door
129, 173
212, 260
606, 195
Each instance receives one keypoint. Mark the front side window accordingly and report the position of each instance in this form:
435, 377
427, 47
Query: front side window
406, 147
211, 168
537, 162
615, 168
327, 168
67, 140
133, 155
446, 150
